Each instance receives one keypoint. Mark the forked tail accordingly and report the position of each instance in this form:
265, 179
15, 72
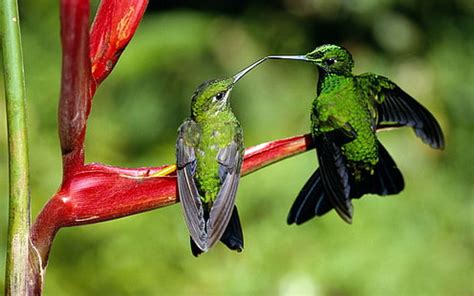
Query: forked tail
312, 201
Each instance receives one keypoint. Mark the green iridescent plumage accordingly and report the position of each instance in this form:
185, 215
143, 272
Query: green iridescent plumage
345, 116
209, 154
218, 128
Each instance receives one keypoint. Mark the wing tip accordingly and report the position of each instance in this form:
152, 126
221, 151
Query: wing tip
195, 249
211, 242
346, 214
290, 220
436, 142
440, 144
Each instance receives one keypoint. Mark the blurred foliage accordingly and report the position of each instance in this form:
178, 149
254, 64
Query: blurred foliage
418, 243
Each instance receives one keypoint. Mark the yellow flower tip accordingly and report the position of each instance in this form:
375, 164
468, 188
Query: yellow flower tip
165, 171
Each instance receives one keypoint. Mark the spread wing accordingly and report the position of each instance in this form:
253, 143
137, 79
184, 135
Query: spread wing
188, 138
397, 108
230, 162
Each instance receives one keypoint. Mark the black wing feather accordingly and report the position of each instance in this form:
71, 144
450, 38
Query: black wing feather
335, 175
396, 106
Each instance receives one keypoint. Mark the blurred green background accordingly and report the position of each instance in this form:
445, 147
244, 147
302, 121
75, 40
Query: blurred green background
418, 243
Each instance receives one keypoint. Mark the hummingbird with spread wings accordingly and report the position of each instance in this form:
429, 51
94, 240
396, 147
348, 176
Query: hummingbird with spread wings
345, 116
209, 154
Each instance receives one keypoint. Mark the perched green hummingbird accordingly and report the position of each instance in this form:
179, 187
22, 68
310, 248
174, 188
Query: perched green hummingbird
345, 116
209, 152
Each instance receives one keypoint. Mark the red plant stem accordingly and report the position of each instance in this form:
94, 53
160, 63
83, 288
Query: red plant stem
75, 97
87, 62
100, 193
260, 156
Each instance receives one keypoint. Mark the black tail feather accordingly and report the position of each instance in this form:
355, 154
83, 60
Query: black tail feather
385, 180
233, 237
312, 201
194, 248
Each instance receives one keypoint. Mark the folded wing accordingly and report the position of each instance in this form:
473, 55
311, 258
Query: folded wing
188, 135
230, 162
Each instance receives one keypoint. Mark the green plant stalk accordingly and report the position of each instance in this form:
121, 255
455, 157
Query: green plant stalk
19, 204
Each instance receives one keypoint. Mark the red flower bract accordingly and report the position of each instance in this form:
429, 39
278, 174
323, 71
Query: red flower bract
76, 83
113, 27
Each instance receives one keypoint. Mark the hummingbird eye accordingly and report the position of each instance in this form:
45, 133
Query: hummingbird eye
330, 61
220, 96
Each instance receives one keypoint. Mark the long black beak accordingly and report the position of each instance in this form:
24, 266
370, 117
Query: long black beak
289, 57
242, 73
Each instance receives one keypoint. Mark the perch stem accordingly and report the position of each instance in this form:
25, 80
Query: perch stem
19, 203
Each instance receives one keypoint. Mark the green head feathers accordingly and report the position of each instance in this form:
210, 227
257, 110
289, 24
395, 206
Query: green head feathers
211, 96
332, 59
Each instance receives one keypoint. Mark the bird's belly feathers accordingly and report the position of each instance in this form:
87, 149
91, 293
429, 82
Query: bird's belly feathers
363, 149
342, 108
207, 170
